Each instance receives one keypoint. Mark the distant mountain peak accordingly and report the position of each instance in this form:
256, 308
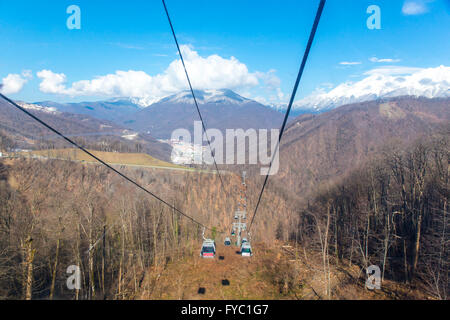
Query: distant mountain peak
225, 96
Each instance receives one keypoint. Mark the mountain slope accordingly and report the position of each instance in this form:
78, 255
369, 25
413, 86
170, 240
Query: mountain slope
221, 109
29, 134
319, 148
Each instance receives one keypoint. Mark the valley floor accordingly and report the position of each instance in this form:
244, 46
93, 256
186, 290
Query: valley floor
132, 160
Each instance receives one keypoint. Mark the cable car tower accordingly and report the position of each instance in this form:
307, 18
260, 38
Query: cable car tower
240, 215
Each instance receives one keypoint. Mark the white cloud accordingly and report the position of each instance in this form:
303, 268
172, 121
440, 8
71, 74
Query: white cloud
52, 82
280, 94
271, 81
261, 100
392, 70
349, 63
376, 60
212, 72
415, 7
13, 83
382, 82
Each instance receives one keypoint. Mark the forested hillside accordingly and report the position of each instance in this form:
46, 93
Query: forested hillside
386, 206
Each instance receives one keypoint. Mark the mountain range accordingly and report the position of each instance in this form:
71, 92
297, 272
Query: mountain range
111, 110
340, 137
221, 109
137, 114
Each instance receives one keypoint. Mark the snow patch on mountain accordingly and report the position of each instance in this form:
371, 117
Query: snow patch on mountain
217, 96
140, 102
224, 96
37, 107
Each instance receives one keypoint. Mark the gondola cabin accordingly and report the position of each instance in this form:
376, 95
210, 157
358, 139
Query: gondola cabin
246, 250
227, 242
208, 249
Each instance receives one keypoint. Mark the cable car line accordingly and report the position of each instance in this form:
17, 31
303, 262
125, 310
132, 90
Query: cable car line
193, 95
291, 101
283, 127
103, 162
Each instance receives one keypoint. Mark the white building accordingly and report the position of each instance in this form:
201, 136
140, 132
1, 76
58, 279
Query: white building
186, 153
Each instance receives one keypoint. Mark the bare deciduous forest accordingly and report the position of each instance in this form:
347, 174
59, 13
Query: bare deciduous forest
53, 212
391, 211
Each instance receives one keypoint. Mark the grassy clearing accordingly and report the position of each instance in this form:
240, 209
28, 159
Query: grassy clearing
138, 159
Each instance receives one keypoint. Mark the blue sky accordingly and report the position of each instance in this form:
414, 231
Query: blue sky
266, 39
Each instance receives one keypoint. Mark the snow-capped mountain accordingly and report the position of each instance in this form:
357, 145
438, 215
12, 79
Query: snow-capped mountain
221, 109
224, 96
380, 83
